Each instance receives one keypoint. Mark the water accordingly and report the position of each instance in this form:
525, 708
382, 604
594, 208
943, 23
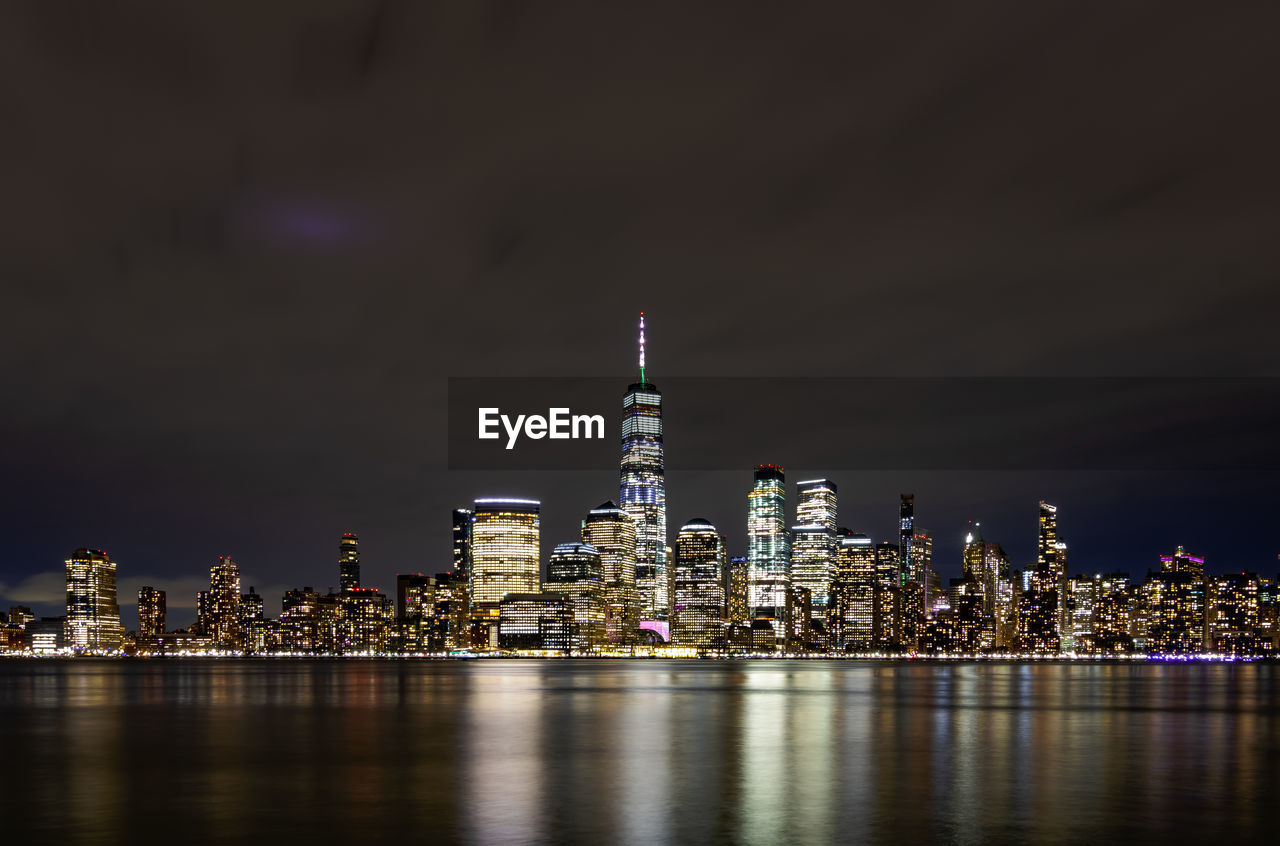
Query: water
636, 752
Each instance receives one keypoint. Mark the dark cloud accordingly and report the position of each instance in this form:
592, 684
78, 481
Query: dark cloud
244, 247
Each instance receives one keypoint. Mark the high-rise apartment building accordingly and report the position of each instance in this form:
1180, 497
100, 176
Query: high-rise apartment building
219, 608
151, 612
349, 561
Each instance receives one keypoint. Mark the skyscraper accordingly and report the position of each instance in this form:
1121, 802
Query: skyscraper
642, 493
462, 518
1050, 573
575, 570
767, 553
349, 561
853, 617
886, 625
151, 612
612, 533
700, 603
93, 615
504, 549
813, 542
906, 535
220, 607
816, 504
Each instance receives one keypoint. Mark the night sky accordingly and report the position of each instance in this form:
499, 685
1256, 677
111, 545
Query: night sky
246, 244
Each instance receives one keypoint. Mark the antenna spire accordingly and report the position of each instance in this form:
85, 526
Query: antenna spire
642, 346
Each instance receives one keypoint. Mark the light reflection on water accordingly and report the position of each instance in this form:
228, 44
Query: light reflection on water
637, 751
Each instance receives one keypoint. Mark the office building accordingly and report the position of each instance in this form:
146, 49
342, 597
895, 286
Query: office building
92, 623
504, 549
698, 619
612, 533
768, 556
642, 491
576, 572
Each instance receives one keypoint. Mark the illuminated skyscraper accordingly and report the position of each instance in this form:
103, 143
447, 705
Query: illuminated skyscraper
887, 622
642, 493
93, 615
816, 504
504, 549
906, 534
612, 533
1050, 574
735, 591
1177, 617
767, 554
220, 605
698, 619
349, 561
151, 612
853, 618
813, 542
575, 570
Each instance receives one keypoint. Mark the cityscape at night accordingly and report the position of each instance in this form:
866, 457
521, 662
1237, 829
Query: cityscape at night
510, 424
807, 586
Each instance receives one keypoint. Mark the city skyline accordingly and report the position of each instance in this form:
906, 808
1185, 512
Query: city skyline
643, 470
794, 585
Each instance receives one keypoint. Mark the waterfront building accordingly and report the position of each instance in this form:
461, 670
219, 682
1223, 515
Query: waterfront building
767, 553
575, 571
151, 612
612, 533
366, 620
535, 621
253, 624
92, 623
218, 608
1233, 614
1112, 616
308, 622
1178, 622
698, 619
642, 491
415, 606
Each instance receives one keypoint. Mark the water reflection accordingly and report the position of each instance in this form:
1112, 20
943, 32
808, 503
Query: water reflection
636, 752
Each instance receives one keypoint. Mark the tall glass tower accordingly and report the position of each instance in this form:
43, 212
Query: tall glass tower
767, 548
643, 494
813, 542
